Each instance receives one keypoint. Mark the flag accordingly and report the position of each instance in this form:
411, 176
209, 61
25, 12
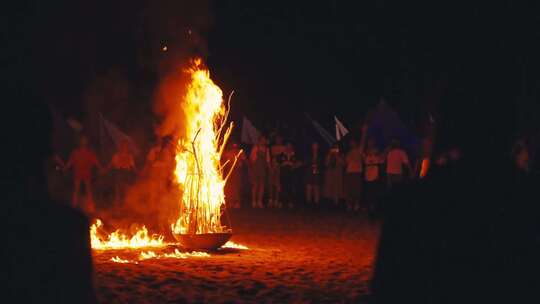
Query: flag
431, 119
250, 134
341, 131
385, 125
326, 136
110, 130
74, 124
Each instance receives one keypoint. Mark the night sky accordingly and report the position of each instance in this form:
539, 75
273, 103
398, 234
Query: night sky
284, 58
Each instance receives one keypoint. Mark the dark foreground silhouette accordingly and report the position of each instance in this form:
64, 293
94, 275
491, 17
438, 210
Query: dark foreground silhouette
467, 233
47, 244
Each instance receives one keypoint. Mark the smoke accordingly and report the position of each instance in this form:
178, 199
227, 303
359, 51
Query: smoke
114, 62
176, 30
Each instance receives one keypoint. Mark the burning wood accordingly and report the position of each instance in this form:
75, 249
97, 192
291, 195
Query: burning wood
198, 169
198, 173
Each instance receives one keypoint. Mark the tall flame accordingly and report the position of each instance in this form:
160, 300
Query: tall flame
198, 172
198, 169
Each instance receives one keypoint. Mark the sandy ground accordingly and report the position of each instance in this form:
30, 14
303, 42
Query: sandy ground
300, 257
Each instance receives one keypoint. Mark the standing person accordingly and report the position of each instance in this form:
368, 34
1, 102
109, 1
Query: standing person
353, 176
233, 186
276, 151
123, 166
83, 160
274, 183
260, 160
353, 173
395, 160
372, 177
313, 175
333, 177
287, 168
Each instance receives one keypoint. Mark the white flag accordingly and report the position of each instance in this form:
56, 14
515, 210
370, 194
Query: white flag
118, 136
326, 136
431, 119
341, 131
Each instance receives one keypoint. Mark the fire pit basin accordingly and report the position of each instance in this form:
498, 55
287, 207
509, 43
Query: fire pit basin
206, 241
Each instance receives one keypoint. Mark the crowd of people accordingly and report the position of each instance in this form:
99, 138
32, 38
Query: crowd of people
273, 171
280, 177
83, 162
353, 174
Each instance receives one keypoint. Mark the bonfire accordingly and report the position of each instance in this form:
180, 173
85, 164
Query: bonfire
198, 167
198, 172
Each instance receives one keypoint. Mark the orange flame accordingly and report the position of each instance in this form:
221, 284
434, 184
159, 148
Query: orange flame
232, 245
198, 172
118, 259
176, 255
117, 240
198, 169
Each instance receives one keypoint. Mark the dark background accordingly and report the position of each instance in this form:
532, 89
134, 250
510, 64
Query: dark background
282, 57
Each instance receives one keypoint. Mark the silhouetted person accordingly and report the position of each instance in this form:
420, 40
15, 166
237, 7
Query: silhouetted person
48, 244
123, 166
353, 172
333, 181
467, 232
396, 159
83, 160
289, 176
259, 162
277, 151
373, 186
313, 178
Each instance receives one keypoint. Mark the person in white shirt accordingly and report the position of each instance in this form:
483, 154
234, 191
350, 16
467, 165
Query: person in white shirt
396, 159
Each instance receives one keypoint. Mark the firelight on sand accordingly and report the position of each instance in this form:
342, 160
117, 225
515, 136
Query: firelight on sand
198, 171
